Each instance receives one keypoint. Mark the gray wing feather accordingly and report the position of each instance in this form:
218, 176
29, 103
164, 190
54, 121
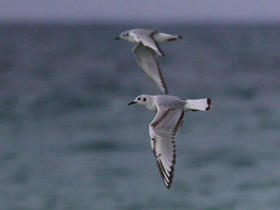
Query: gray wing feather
163, 131
146, 59
146, 38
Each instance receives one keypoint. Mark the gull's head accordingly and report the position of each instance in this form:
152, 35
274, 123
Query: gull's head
144, 100
123, 35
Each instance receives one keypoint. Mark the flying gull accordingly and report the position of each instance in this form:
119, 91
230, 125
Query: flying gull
146, 49
165, 126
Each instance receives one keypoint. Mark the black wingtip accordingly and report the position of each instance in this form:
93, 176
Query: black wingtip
180, 37
117, 38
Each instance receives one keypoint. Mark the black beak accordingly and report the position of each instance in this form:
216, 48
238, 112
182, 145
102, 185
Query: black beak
117, 38
133, 102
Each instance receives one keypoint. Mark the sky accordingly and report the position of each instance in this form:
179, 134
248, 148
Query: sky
140, 10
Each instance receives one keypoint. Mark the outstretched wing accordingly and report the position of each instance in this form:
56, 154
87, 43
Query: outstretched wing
146, 38
146, 59
163, 131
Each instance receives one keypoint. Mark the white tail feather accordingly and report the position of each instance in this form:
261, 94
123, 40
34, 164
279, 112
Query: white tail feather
198, 105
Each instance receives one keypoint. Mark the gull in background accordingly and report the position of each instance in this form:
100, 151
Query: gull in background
146, 49
165, 126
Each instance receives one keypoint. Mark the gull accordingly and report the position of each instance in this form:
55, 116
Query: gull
146, 49
165, 126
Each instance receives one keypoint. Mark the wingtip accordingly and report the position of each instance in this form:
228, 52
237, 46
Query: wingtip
168, 184
180, 37
163, 87
167, 180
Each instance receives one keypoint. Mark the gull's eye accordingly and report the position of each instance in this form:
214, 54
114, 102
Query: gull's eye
144, 99
138, 99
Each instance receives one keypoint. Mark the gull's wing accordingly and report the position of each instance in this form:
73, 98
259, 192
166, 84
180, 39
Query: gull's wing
146, 59
146, 38
163, 131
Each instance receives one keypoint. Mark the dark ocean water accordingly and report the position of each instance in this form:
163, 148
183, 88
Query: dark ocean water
69, 140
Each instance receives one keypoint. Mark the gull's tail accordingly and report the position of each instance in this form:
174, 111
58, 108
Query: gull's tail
198, 105
162, 37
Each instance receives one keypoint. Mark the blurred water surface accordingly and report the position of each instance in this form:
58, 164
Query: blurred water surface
69, 141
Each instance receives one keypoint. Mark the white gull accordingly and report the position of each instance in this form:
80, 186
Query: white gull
165, 126
146, 49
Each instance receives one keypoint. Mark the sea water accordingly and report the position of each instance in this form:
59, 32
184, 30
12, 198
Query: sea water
69, 141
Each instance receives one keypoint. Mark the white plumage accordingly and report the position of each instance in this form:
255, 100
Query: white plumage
146, 49
165, 126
